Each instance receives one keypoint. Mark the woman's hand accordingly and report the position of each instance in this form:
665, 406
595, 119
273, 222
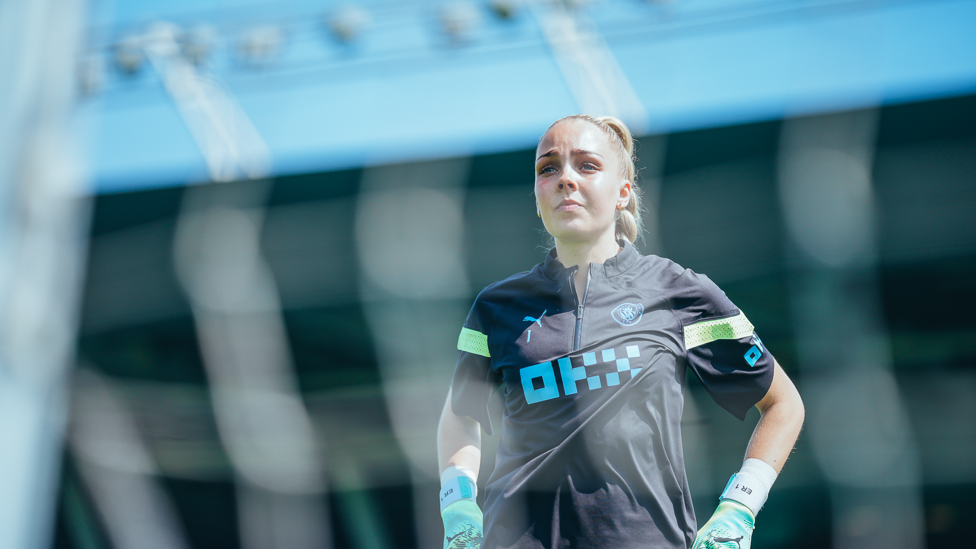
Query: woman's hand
729, 528
463, 525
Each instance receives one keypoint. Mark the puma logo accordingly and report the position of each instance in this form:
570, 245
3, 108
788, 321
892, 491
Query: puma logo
726, 540
467, 536
538, 320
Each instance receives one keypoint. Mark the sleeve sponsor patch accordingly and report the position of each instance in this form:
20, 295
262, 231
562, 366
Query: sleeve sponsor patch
708, 331
474, 342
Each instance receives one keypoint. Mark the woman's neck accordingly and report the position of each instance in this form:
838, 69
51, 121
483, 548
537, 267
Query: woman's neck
581, 254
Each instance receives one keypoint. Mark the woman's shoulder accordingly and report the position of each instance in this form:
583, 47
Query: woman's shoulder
660, 270
512, 286
675, 279
693, 292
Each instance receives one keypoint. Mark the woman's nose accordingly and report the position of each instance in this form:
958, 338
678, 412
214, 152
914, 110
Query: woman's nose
567, 183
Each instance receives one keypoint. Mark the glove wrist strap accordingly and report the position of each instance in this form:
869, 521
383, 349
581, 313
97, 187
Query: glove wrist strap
458, 483
750, 486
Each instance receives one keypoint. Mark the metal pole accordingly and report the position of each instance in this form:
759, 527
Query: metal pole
43, 238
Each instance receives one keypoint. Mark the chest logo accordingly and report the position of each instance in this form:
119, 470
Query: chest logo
539, 320
628, 314
539, 382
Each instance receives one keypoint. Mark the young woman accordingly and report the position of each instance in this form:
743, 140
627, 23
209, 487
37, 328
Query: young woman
589, 350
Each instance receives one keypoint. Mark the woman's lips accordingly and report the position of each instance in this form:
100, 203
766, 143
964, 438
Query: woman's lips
568, 206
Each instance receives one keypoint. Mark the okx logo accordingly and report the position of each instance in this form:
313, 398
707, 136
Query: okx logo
539, 381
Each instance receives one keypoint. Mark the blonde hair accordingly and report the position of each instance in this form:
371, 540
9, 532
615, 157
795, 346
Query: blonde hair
627, 222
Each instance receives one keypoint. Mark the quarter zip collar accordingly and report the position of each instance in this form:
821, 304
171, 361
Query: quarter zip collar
623, 261
552, 268
618, 264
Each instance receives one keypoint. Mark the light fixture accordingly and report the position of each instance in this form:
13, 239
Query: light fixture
128, 54
198, 43
504, 9
91, 74
260, 44
458, 18
575, 4
348, 21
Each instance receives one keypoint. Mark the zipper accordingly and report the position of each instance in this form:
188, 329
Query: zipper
578, 335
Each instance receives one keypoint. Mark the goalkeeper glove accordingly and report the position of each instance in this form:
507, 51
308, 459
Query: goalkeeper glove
462, 517
732, 523
729, 528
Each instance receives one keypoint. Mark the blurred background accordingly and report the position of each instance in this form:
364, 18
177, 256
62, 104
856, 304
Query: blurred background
238, 239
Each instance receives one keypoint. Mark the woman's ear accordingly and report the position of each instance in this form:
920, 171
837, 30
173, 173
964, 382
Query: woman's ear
625, 190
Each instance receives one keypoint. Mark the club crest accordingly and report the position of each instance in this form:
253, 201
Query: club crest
628, 314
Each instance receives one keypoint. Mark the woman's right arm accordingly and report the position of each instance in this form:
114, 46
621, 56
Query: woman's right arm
458, 440
459, 457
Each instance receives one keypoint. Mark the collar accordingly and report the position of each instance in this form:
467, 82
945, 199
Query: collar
618, 264
622, 262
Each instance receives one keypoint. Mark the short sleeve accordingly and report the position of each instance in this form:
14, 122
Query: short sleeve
721, 345
471, 388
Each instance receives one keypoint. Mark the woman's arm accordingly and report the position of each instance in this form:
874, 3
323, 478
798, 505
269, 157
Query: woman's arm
778, 428
458, 440
770, 445
459, 457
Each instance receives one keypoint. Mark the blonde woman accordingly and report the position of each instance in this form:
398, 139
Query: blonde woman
588, 353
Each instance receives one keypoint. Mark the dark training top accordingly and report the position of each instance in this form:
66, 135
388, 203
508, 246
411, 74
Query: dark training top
590, 447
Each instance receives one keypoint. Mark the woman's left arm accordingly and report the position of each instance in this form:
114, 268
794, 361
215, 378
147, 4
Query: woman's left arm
771, 443
778, 428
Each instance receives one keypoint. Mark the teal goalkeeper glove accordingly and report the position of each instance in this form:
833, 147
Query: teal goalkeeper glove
729, 528
463, 520
462, 525
731, 525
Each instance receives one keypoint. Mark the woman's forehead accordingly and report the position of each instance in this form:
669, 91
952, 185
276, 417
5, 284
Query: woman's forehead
575, 134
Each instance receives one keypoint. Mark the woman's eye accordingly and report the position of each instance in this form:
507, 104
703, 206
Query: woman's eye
589, 167
546, 169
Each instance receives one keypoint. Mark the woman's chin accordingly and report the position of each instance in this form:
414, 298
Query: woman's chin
574, 233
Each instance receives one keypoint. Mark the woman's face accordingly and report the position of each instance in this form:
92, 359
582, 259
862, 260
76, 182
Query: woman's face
578, 183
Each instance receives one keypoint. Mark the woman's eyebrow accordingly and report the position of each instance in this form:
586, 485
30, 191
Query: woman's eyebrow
575, 152
550, 153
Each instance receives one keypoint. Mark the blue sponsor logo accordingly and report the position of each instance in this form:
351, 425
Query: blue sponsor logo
543, 372
539, 381
755, 352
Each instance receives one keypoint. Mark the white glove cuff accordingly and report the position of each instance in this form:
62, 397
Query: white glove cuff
458, 483
750, 486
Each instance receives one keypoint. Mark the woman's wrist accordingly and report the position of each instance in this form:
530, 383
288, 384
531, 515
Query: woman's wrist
458, 483
751, 485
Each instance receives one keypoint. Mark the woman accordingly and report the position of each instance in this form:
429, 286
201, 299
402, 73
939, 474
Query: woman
589, 349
